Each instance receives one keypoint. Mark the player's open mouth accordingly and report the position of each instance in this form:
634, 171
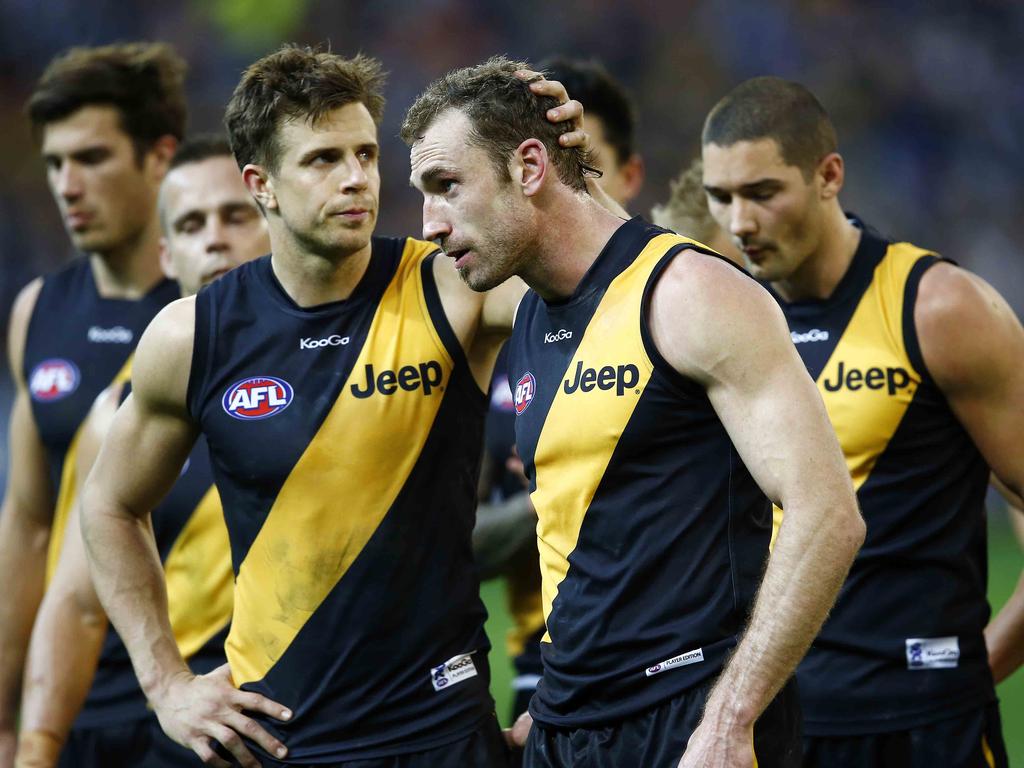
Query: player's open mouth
460, 255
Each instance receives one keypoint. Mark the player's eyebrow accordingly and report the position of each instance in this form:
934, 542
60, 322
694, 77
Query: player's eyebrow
431, 175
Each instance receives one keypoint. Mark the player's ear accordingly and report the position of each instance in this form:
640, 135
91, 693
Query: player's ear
158, 157
166, 262
830, 175
260, 186
530, 166
633, 173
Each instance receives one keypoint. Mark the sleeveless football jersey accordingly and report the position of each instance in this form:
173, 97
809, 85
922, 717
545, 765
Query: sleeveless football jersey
346, 443
193, 544
652, 533
76, 343
903, 645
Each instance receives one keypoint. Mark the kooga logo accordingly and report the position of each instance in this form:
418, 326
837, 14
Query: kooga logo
331, 341
814, 334
116, 335
559, 335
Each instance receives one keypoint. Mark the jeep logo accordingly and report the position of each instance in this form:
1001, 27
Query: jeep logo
428, 375
890, 379
618, 378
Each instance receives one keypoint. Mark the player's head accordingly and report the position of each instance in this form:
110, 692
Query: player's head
686, 212
487, 161
772, 172
303, 128
108, 120
610, 119
210, 222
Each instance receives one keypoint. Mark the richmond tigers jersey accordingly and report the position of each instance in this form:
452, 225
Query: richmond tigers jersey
346, 444
652, 533
193, 545
76, 344
903, 645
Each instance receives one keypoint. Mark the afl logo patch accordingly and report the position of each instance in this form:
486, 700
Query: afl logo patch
526, 388
53, 379
258, 397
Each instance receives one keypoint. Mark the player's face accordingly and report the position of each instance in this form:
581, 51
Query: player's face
768, 208
468, 209
621, 179
327, 184
211, 223
106, 195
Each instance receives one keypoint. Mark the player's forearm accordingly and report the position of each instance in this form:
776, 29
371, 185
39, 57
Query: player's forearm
501, 532
23, 544
62, 659
129, 581
807, 567
1004, 636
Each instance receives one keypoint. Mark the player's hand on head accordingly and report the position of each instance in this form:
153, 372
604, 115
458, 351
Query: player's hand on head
568, 110
198, 710
719, 746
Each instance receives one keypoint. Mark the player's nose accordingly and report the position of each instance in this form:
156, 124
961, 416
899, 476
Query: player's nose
741, 219
435, 225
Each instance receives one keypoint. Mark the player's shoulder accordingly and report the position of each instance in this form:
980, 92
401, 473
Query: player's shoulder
695, 282
21, 314
163, 358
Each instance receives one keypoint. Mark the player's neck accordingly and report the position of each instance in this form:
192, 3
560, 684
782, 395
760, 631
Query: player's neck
821, 272
576, 234
130, 270
311, 279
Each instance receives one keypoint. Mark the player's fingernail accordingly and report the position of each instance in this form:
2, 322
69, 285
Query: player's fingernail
281, 751
553, 113
286, 714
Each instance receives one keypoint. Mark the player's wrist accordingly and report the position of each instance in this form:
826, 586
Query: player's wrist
38, 749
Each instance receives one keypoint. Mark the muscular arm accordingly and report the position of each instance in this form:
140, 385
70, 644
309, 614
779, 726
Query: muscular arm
973, 345
720, 328
25, 520
68, 634
153, 434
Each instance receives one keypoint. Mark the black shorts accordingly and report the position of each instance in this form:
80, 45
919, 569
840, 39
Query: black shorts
657, 738
971, 740
135, 744
483, 748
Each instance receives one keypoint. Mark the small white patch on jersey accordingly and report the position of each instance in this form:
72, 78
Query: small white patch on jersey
682, 660
455, 670
815, 334
933, 652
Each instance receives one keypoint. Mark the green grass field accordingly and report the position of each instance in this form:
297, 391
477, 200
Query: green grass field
1005, 563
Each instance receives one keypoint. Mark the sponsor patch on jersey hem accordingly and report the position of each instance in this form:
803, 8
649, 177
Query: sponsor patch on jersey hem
682, 660
455, 670
933, 652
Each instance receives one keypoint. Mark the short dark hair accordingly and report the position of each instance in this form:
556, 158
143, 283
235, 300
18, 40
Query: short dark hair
199, 147
296, 83
602, 95
773, 108
503, 112
145, 82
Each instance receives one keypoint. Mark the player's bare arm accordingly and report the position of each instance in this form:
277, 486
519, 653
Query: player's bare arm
153, 434
25, 521
67, 638
972, 344
720, 328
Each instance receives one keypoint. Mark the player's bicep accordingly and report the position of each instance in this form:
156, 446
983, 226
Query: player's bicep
973, 344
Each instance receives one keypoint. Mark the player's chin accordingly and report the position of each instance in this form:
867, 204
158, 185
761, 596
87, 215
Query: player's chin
479, 279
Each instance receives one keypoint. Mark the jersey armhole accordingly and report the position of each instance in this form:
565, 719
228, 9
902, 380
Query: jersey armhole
437, 314
202, 350
910, 341
683, 384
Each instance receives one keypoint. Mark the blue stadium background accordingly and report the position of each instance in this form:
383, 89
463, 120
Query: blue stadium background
928, 99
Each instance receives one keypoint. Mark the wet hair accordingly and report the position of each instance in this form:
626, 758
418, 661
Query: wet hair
296, 83
503, 113
773, 108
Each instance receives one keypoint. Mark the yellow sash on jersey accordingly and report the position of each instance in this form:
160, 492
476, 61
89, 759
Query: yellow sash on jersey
342, 486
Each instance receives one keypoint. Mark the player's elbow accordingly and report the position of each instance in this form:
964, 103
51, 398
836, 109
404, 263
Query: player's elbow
849, 527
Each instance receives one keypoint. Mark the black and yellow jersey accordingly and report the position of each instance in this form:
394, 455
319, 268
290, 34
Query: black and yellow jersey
346, 441
903, 645
76, 345
652, 533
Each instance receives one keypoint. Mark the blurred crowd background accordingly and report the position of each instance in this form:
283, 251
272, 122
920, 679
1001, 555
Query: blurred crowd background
927, 97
